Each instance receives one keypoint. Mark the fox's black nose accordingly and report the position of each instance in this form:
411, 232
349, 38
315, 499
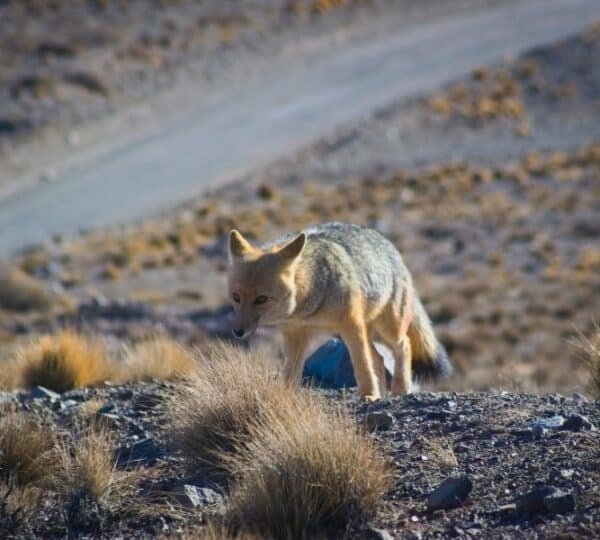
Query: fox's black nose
238, 332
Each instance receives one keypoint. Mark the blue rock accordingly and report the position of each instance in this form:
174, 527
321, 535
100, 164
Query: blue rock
330, 366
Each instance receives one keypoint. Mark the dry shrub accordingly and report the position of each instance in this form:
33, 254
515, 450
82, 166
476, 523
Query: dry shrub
64, 361
307, 472
590, 352
28, 454
21, 292
158, 358
231, 390
90, 483
440, 452
89, 467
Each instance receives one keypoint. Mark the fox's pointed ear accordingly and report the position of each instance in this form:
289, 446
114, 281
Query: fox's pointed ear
238, 245
292, 250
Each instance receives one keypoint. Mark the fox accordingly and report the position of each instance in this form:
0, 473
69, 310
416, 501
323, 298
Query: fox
338, 279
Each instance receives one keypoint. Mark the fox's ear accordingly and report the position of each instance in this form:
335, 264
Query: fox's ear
292, 250
238, 245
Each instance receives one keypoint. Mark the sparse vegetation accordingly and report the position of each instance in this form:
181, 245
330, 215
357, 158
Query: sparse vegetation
590, 349
158, 358
305, 472
21, 292
231, 391
27, 450
64, 361
440, 452
69, 359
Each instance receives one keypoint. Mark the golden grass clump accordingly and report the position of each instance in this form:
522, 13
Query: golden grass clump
590, 349
28, 454
306, 472
89, 467
63, 361
158, 358
440, 452
21, 292
231, 390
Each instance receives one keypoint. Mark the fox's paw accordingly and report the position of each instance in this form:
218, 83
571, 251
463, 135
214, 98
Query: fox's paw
369, 398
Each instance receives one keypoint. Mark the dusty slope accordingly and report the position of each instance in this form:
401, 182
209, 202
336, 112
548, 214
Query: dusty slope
265, 118
498, 228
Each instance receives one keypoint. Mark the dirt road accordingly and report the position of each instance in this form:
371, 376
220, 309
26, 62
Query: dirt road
272, 117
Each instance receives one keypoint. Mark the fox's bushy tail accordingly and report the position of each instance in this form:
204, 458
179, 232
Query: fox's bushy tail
429, 358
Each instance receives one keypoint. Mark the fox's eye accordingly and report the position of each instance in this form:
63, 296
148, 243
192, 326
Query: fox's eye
236, 297
260, 299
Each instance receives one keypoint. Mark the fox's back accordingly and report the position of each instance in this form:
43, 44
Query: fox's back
342, 259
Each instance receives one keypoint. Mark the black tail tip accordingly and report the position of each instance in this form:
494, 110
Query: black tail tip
435, 368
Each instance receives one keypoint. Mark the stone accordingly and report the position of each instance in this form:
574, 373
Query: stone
560, 502
143, 451
330, 365
41, 392
378, 421
451, 493
546, 498
541, 427
373, 533
200, 496
577, 422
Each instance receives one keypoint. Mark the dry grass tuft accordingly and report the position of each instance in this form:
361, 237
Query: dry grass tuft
90, 483
89, 467
21, 292
440, 452
214, 409
307, 472
158, 358
590, 349
63, 361
28, 454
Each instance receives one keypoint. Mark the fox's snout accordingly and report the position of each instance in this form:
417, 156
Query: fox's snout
238, 332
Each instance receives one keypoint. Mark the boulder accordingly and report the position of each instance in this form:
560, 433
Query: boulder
330, 366
451, 493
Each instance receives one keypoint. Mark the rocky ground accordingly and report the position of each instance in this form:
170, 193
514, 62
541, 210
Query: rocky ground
519, 466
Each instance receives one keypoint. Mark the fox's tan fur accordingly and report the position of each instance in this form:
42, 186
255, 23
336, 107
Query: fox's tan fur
338, 279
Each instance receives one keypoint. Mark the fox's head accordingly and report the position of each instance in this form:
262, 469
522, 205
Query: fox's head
261, 282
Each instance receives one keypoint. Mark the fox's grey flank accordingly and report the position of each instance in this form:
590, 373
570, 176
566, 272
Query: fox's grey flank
343, 279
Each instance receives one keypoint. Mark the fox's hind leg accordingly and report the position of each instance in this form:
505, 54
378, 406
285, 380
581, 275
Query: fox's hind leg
357, 340
402, 379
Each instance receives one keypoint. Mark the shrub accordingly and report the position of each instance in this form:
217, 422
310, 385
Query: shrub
64, 361
21, 292
306, 473
28, 454
215, 408
158, 358
590, 349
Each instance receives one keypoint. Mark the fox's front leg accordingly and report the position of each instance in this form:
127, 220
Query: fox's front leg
356, 338
295, 343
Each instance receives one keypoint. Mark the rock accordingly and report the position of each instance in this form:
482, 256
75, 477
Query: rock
143, 451
451, 493
109, 420
373, 533
546, 498
41, 392
378, 421
577, 422
330, 366
560, 502
200, 496
541, 427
